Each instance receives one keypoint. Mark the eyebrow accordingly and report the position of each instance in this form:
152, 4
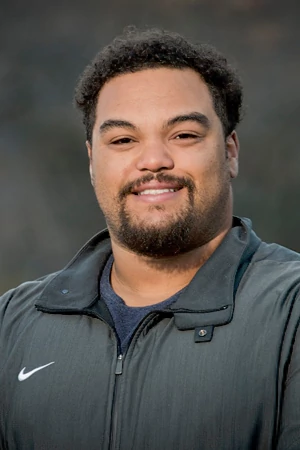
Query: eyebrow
116, 123
190, 117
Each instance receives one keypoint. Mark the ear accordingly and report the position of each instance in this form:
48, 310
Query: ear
232, 150
90, 154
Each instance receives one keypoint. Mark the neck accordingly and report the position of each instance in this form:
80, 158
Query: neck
142, 281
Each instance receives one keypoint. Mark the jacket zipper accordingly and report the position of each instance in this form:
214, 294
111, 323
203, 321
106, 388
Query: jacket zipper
114, 415
118, 372
119, 365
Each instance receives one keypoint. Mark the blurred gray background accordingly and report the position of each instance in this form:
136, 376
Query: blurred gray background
48, 209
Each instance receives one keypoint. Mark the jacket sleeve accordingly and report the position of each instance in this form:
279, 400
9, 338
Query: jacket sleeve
289, 429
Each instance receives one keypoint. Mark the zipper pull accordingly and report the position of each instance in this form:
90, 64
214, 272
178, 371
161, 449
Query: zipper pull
119, 365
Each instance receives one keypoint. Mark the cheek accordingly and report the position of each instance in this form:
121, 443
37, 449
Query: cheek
110, 166
107, 182
211, 176
201, 168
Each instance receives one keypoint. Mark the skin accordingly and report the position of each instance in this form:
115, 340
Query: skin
151, 144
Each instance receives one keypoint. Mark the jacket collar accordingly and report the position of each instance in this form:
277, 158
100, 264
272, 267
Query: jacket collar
207, 300
76, 287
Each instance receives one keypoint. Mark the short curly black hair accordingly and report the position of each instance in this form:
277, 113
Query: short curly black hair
136, 50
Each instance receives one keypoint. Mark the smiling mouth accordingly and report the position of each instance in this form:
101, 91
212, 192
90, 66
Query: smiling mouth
156, 191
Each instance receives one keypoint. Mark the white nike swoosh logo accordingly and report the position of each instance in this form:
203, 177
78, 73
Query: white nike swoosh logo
23, 376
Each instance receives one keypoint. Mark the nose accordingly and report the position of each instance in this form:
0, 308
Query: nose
154, 157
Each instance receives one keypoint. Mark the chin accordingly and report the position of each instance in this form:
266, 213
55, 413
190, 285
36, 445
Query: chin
154, 221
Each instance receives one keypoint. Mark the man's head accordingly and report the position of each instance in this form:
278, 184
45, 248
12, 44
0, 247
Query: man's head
160, 115
137, 50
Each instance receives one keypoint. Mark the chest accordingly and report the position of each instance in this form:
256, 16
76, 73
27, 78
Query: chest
172, 391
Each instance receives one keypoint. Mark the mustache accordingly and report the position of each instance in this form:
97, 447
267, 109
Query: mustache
160, 177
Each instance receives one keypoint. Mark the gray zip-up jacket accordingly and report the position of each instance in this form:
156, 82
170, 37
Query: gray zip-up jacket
218, 370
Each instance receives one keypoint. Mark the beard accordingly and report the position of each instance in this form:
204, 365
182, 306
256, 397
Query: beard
192, 226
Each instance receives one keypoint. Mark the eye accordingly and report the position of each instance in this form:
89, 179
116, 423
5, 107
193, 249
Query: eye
124, 140
186, 136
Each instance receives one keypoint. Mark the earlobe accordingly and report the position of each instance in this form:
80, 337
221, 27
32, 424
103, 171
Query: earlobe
232, 149
90, 154
91, 175
89, 149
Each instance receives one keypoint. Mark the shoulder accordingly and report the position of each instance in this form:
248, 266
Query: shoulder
277, 263
274, 273
276, 253
18, 312
16, 301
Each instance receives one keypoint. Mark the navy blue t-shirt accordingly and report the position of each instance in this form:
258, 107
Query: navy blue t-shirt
126, 318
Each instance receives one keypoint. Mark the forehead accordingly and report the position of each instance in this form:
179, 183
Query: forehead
154, 92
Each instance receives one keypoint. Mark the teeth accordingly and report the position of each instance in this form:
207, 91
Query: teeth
155, 191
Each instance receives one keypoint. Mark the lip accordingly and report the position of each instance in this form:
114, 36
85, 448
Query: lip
157, 198
156, 186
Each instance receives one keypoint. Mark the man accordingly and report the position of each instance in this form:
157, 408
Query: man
176, 328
